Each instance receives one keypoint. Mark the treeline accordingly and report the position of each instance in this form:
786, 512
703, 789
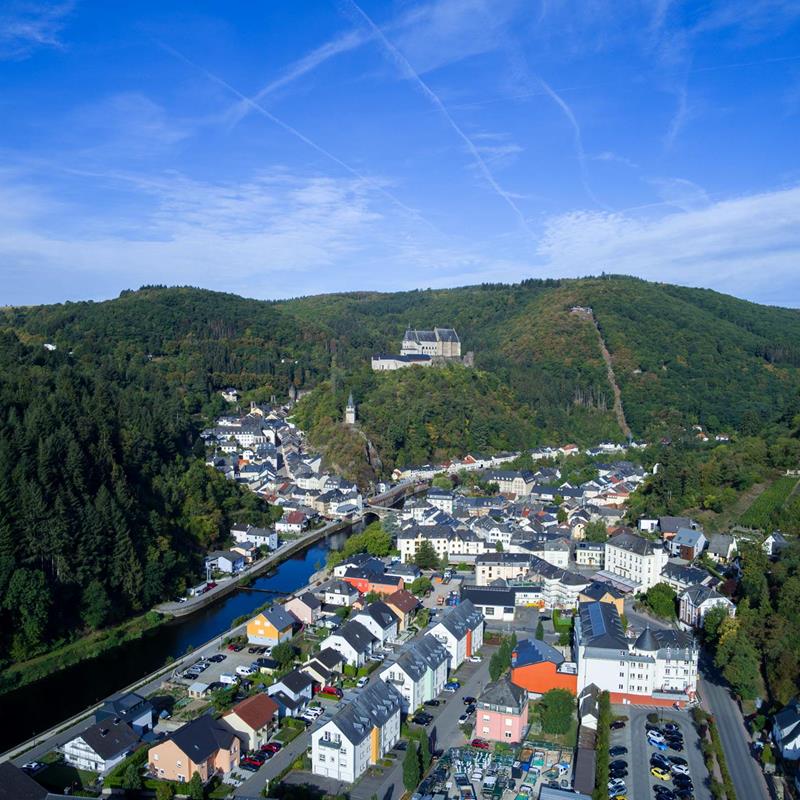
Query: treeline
103, 509
759, 648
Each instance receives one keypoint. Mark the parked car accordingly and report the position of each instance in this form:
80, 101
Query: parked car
617, 724
422, 719
475, 659
271, 747
468, 701
218, 658
618, 750
677, 760
245, 669
452, 686
334, 690
463, 718
661, 774
433, 702
680, 769
618, 764
362, 682
481, 744
32, 767
246, 765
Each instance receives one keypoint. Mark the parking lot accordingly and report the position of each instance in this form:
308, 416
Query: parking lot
640, 783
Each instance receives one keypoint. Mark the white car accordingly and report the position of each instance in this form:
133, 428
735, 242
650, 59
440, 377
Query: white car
680, 769
475, 659
362, 682
244, 669
616, 786
655, 736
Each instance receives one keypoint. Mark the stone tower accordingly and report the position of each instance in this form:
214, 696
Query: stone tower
350, 411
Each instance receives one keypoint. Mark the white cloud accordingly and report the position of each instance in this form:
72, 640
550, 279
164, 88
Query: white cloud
748, 246
26, 26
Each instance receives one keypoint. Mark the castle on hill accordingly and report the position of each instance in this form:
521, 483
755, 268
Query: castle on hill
425, 349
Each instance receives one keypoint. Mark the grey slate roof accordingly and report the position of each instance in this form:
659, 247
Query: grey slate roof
18, 785
632, 543
601, 626
416, 658
295, 681
279, 617
490, 595
110, 737
381, 613
202, 737
505, 695
329, 657
460, 619
377, 703
534, 651
356, 635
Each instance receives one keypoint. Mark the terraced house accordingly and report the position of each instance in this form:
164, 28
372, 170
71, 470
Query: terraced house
419, 673
359, 735
461, 632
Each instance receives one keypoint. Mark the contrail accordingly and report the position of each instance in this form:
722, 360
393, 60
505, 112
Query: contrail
406, 67
296, 133
576, 130
302, 66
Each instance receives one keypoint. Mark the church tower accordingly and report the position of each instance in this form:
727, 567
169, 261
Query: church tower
350, 411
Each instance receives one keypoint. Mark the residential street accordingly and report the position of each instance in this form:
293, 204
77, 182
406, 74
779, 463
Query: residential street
748, 778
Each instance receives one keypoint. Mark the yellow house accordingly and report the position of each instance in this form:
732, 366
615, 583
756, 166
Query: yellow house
271, 627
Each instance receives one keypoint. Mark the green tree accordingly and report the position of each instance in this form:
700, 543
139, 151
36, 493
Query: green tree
411, 774
419, 586
595, 532
767, 756
556, 709
423, 618
343, 612
165, 791
426, 557
562, 516
132, 778
496, 666
442, 481
424, 752
196, 788
96, 605
284, 653
539, 630
661, 600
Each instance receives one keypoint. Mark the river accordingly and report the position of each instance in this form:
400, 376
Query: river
37, 707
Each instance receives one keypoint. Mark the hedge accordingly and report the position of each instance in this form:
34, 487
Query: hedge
604, 719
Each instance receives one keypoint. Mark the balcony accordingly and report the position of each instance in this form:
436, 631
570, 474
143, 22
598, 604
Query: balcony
330, 743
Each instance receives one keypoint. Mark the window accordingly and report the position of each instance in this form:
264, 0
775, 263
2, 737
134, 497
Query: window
155, 756
321, 757
508, 734
509, 723
485, 717
485, 729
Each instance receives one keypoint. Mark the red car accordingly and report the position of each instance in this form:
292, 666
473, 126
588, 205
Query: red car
253, 762
232, 647
332, 690
271, 747
481, 744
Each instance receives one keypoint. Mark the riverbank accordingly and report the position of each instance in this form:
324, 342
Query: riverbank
87, 647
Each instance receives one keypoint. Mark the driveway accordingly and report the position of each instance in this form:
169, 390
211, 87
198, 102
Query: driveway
748, 779
632, 736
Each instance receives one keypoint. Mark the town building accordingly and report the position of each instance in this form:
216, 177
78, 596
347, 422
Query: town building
658, 668
419, 673
604, 593
438, 343
403, 605
204, 745
636, 559
696, 601
292, 692
786, 730
460, 630
688, 543
380, 621
496, 603
225, 561
350, 411
272, 626
255, 719
336, 592
538, 667
502, 712
306, 608
360, 734
101, 746
130, 707
506, 566
590, 554
353, 641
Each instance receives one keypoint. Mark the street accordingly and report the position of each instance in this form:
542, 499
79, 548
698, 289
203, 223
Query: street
748, 779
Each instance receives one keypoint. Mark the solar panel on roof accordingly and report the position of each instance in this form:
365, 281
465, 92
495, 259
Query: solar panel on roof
597, 619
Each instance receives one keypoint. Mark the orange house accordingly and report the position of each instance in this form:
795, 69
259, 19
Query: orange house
538, 667
366, 582
205, 745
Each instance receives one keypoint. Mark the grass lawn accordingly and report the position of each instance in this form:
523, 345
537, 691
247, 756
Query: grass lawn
60, 775
289, 731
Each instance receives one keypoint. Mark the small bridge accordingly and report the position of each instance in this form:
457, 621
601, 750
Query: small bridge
382, 504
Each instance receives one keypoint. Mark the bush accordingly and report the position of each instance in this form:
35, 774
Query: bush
603, 740
652, 718
555, 710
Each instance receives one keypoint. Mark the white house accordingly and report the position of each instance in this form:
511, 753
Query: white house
688, 543
419, 673
262, 537
697, 601
360, 734
353, 641
101, 746
380, 621
774, 543
635, 558
590, 554
292, 692
786, 730
508, 566
225, 561
460, 630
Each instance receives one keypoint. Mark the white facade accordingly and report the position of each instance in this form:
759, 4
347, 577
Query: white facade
417, 676
640, 561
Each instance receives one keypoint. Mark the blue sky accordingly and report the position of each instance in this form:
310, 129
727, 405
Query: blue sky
274, 148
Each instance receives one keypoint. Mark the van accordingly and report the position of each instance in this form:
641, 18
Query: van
245, 669
228, 679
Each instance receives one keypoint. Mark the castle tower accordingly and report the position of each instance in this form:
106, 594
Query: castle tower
350, 411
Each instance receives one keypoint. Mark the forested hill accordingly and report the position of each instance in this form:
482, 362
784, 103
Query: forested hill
681, 356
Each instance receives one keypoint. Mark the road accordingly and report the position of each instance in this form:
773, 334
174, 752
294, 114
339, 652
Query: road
748, 779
